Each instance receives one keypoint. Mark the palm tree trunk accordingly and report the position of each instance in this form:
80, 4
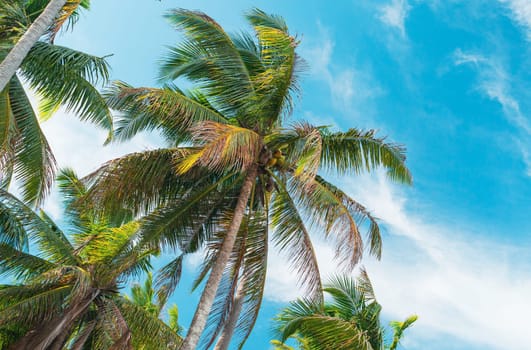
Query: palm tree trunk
211, 287
228, 330
44, 336
14, 58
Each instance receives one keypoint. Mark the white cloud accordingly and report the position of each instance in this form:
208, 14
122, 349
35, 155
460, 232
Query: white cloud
461, 287
495, 83
78, 145
521, 11
351, 88
394, 15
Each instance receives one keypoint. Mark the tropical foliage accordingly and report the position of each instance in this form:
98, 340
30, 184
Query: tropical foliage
61, 77
66, 291
237, 175
145, 296
349, 321
236, 170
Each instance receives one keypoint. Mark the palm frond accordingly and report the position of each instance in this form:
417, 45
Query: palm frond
302, 144
186, 222
167, 110
31, 305
21, 265
227, 78
168, 278
260, 18
66, 77
356, 151
399, 328
69, 16
139, 181
149, 332
291, 235
254, 274
24, 225
224, 148
276, 84
34, 162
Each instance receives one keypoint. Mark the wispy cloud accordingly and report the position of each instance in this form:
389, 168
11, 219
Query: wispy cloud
394, 14
521, 12
461, 288
78, 145
351, 88
495, 83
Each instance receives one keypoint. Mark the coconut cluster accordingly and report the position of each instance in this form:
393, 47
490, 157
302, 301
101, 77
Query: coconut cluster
277, 160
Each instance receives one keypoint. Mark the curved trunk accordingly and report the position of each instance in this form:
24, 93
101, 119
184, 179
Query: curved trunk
44, 337
211, 287
228, 330
37, 29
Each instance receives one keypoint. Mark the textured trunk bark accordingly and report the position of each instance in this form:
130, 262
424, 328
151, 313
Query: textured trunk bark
209, 293
78, 345
228, 330
14, 58
43, 337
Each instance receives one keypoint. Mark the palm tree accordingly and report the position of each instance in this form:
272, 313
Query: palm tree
66, 292
351, 320
61, 77
145, 296
49, 21
235, 168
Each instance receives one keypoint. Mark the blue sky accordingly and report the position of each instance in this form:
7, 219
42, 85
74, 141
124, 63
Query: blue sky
449, 79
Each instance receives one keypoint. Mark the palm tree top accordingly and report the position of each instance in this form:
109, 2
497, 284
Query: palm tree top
235, 158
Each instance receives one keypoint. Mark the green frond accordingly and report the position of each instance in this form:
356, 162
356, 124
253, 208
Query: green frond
186, 222
52, 242
149, 333
34, 164
167, 110
31, 305
302, 144
168, 278
143, 295
260, 18
253, 274
227, 77
110, 243
69, 16
291, 235
357, 151
21, 265
341, 217
399, 328
173, 321
66, 77
276, 84
70, 186
24, 225
139, 181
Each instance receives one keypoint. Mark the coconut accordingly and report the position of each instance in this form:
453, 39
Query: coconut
271, 162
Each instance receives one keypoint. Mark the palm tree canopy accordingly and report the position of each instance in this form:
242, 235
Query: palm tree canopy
234, 121
88, 266
350, 320
61, 77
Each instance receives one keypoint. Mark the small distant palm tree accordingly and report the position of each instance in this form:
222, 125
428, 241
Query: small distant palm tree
66, 292
349, 321
147, 297
61, 77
